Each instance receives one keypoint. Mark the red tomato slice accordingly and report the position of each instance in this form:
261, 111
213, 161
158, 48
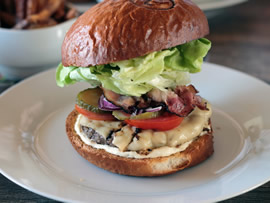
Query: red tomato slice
163, 123
95, 116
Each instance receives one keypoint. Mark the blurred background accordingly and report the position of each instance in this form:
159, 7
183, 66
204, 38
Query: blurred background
31, 35
32, 31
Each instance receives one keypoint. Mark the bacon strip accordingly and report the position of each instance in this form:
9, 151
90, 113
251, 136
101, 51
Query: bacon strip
20, 9
31, 7
181, 101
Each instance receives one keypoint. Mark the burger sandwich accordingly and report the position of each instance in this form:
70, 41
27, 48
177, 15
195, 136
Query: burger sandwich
140, 116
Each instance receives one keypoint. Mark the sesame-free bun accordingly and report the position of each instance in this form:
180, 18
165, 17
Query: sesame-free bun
196, 152
116, 30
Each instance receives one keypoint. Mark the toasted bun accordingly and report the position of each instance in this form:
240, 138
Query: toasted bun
116, 30
197, 151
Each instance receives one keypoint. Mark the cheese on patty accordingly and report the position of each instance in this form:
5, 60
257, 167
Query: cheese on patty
158, 143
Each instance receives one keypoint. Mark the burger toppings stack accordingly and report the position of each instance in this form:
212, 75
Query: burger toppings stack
141, 115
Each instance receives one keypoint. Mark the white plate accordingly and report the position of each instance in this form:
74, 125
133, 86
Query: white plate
82, 7
213, 8
35, 152
207, 5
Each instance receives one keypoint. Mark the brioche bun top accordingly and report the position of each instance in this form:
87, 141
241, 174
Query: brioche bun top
116, 30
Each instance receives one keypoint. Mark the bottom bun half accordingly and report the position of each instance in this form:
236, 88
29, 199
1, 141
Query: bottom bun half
199, 150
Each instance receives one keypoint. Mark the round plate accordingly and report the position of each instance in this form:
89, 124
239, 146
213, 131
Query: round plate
212, 8
207, 5
35, 152
82, 7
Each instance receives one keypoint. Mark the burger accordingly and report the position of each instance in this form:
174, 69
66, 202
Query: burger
140, 116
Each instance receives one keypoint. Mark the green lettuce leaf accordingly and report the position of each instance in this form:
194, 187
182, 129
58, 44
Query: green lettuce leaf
137, 76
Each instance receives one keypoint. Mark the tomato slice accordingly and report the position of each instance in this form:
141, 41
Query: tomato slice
162, 123
95, 116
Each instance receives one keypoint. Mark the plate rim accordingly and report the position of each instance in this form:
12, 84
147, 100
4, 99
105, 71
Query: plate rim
212, 5
63, 199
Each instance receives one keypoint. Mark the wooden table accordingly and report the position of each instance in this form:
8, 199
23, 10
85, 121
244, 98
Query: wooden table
241, 40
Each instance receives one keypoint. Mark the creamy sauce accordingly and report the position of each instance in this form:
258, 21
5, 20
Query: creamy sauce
162, 143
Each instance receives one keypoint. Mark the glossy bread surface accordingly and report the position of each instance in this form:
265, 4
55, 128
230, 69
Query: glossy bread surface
123, 29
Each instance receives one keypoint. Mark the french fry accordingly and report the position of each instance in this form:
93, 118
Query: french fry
72, 13
41, 4
60, 13
22, 25
51, 8
20, 9
32, 14
50, 22
31, 7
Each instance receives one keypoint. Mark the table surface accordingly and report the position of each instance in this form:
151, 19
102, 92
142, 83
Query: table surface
241, 40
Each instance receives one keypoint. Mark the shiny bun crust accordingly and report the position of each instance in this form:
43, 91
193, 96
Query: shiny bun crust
197, 151
116, 30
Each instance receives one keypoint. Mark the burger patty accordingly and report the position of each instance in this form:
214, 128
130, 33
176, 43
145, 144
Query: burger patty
99, 139
96, 137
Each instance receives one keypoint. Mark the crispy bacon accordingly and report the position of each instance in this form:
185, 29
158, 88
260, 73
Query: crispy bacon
181, 101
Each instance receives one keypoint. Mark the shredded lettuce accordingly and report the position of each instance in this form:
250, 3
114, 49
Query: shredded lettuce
137, 76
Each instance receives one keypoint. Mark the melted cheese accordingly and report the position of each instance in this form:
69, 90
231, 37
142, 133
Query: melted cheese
142, 141
101, 127
191, 127
123, 137
161, 143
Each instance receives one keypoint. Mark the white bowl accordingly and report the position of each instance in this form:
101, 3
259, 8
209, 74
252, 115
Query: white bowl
25, 52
